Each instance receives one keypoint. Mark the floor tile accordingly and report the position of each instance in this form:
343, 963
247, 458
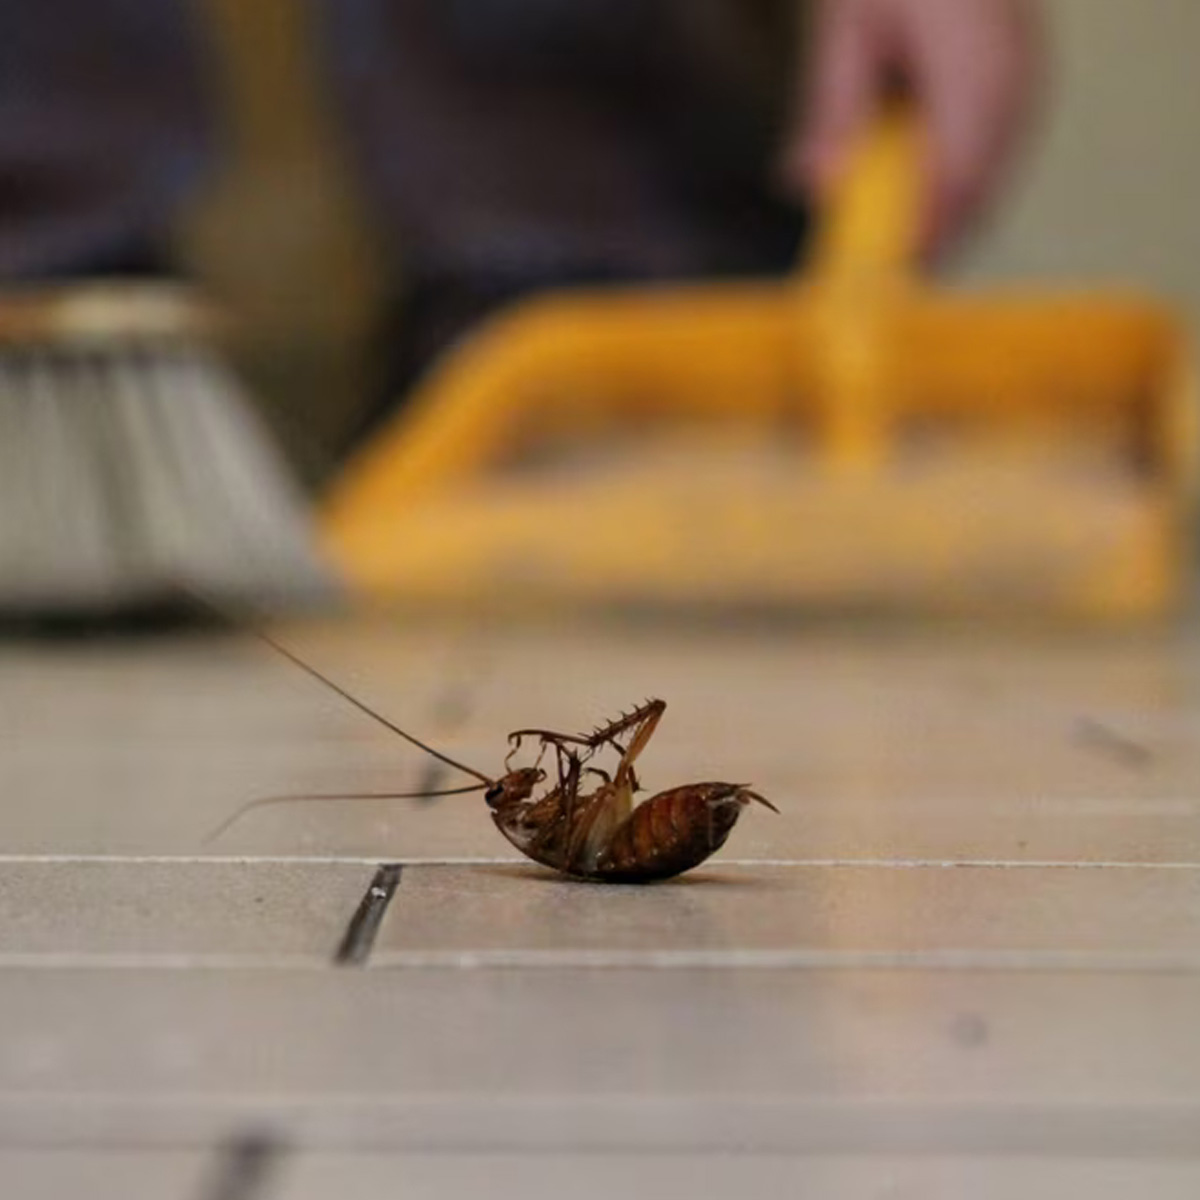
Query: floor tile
836, 1062
291, 1175
972, 828
743, 915
188, 912
127, 1174
720, 1176
872, 745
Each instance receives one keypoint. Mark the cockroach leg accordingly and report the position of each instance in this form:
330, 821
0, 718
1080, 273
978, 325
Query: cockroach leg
641, 737
761, 799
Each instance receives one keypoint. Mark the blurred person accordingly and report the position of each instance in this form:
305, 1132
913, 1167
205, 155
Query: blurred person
104, 128
512, 145
520, 144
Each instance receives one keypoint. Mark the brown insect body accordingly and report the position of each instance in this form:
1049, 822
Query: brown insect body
601, 835
666, 835
604, 835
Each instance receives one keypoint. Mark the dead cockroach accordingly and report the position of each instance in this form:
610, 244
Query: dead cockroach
600, 835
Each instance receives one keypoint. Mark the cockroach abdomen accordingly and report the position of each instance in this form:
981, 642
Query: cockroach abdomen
672, 832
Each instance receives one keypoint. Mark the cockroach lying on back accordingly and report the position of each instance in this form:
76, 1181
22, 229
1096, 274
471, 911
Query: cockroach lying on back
601, 834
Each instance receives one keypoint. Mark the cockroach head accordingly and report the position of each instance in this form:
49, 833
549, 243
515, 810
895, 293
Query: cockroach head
514, 787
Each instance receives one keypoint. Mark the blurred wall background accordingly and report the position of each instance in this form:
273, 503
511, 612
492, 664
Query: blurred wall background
1110, 190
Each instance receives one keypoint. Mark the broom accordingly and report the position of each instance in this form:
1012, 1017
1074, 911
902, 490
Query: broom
133, 470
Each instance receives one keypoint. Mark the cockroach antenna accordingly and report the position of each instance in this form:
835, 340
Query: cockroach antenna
292, 657
243, 623
265, 801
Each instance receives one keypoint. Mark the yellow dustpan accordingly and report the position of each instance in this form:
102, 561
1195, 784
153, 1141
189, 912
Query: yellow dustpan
847, 438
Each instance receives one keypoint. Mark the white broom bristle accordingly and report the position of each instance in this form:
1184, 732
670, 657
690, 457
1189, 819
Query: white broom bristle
132, 470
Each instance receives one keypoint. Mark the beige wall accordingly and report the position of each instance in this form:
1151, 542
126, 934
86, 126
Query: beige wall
1111, 189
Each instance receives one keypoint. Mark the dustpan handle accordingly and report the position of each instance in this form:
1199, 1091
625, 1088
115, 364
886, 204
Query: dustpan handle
863, 262
871, 219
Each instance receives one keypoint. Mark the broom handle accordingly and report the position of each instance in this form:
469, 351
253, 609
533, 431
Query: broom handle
863, 262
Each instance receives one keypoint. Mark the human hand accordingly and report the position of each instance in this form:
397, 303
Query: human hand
972, 68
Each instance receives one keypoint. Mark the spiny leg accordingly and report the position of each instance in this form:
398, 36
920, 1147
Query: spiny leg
569, 772
603, 812
560, 742
625, 776
551, 737
642, 722
590, 830
649, 712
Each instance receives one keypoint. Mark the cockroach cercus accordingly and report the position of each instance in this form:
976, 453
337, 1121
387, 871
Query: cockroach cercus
601, 835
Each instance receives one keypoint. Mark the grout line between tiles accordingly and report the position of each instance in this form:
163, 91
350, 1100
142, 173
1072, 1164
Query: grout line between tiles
951, 959
573, 1120
463, 1122
914, 864
359, 938
71, 960
325, 860
318, 860
245, 1165
452, 1102
785, 959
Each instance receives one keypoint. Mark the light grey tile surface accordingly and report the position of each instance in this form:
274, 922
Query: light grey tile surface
181, 911
126, 1174
145, 747
874, 745
739, 915
195, 1175
722, 1176
786, 1061
981, 1033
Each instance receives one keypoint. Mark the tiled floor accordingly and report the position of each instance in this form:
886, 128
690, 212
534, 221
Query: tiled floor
964, 960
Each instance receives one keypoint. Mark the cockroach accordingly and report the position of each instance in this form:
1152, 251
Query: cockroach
600, 835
